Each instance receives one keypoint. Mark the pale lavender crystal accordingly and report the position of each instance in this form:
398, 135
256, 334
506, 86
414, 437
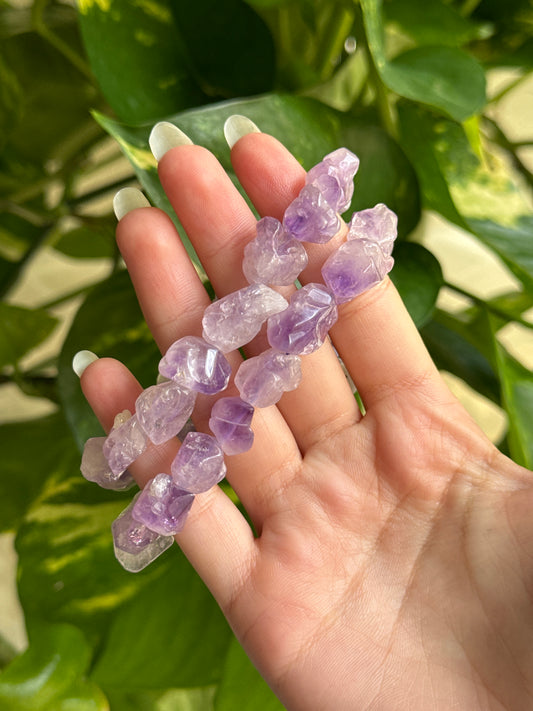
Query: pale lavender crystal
234, 320
334, 176
162, 506
230, 423
94, 467
355, 267
197, 364
263, 379
199, 464
124, 444
274, 256
162, 410
136, 546
304, 325
310, 218
378, 224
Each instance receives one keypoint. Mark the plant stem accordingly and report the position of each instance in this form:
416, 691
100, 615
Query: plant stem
468, 7
512, 85
487, 305
334, 35
501, 139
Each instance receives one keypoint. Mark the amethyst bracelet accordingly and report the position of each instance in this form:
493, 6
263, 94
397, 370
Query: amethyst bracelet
192, 365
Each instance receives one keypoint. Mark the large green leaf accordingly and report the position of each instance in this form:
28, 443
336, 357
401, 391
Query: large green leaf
137, 57
309, 129
172, 634
168, 700
109, 323
418, 277
21, 330
477, 195
51, 674
242, 686
445, 78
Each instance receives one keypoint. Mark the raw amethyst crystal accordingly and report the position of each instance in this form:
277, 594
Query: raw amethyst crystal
94, 467
310, 218
273, 257
231, 322
199, 464
354, 267
230, 423
124, 444
136, 546
162, 506
334, 176
263, 379
304, 325
378, 224
162, 410
197, 365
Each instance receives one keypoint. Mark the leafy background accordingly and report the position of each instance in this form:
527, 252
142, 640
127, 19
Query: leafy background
403, 84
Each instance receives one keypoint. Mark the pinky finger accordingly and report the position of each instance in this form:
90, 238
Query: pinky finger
216, 538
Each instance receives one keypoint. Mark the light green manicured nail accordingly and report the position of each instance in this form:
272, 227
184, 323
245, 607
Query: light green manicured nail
165, 136
236, 127
128, 199
82, 360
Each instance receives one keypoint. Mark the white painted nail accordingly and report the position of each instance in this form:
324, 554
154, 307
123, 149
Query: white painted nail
128, 199
165, 136
236, 127
82, 360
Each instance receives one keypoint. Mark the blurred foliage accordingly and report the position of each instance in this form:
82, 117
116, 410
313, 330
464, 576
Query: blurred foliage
402, 84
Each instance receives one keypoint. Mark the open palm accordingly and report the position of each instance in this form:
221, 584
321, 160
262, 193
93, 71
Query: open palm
392, 561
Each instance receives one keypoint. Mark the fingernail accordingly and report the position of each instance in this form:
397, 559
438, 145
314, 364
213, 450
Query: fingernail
236, 127
82, 360
165, 136
128, 199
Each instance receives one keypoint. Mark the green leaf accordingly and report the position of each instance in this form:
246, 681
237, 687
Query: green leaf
50, 675
479, 196
168, 700
418, 277
109, 323
85, 243
172, 634
137, 57
442, 77
308, 128
222, 40
11, 96
242, 686
22, 330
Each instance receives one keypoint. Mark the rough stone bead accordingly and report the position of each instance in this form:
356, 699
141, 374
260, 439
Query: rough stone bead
199, 464
196, 364
333, 176
274, 256
162, 410
355, 267
162, 506
95, 468
263, 379
310, 218
124, 444
378, 224
304, 325
136, 546
230, 423
234, 320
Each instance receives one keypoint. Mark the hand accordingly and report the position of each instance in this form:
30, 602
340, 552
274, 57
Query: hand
392, 566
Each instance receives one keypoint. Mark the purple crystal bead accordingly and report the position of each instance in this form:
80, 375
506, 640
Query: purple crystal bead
310, 218
263, 379
334, 176
234, 320
124, 444
355, 267
94, 467
135, 545
199, 464
274, 256
162, 506
162, 410
197, 365
378, 224
304, 325
230, 423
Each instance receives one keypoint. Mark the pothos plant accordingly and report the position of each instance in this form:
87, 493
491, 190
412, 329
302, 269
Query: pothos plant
402, 84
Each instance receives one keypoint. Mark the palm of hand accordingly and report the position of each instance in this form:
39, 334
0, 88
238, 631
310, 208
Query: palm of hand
391, 567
